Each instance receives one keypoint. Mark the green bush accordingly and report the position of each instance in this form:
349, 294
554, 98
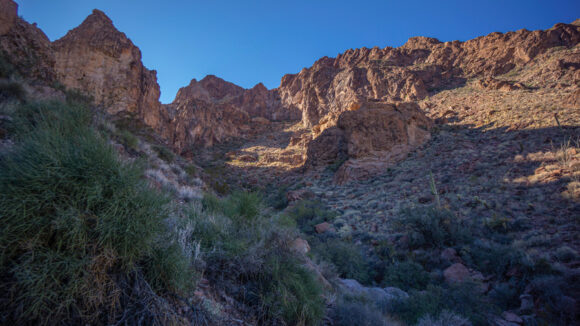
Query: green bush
557, 296
308, 213
289, 292
277, 197
128, 139
463, 299
73, 216
164, 153
240, 207
428, 227
346, 257
11, 90
406, 275
6, 68
248, 256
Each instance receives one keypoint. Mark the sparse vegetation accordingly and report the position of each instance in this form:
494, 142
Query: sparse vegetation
347, 258
164, 153
249, 254
462, 299
428, 227
308, 213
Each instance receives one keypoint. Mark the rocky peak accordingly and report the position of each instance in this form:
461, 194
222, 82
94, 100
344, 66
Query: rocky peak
98, 32
101, 61
259, 87
420, 42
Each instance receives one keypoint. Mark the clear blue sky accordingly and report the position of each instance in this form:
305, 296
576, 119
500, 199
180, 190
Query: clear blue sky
247, 41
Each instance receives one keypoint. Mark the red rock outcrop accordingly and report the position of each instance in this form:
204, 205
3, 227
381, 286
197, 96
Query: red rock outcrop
213, 110
257, 101
409, 72
8, 15
370, 139
24, 46
194, 122
101, 61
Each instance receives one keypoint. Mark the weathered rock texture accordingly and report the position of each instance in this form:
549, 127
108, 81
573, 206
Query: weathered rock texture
213, 110
195, 122
24, 46
101, 61
370, 139
412, 71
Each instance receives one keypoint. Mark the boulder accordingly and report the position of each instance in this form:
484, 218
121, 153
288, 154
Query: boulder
323, 227
456, 273
300, 245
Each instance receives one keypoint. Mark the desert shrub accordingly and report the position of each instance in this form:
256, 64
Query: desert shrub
11, 90
565, 254
463, 299
191, 170
242, 207
167, 269
445, 318
6, 68
406, 275
348, 258
277, 197
289, 292
490, 257
557, 297
249, 258
505, 295
428, 227
164, 153
351, 312
308, 213
73, 216
128, 139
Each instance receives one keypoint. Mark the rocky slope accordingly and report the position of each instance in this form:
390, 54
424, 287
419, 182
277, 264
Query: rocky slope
486, 130
412, 71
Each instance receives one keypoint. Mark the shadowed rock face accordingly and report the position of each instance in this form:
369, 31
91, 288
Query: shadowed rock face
101, 61
370, 138
409, 72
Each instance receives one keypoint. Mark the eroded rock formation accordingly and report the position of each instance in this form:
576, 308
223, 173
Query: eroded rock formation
101, 61
411, 71
24, 46
370, 139
213, 110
